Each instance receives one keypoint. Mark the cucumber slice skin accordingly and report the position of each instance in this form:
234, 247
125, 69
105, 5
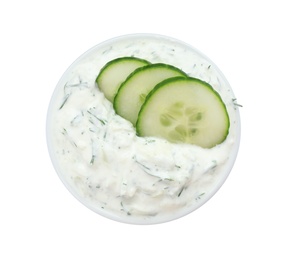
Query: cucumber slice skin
109, 78
207, 122
133, 91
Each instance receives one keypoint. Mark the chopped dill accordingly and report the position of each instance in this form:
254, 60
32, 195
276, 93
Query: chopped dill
168, 179
200, 196
143, 166
123, 209
235, 103
64, 131
92, 159
181, 191
103, 122
64, 101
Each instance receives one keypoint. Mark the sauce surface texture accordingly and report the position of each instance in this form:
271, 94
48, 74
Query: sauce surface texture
102, 161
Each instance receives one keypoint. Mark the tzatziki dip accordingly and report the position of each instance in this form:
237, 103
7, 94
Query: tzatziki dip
112, 170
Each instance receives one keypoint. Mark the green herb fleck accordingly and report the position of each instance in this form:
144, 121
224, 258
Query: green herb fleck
64, 101
123, 209
181, 191
200, 196
92, 159
103, 122
235, 103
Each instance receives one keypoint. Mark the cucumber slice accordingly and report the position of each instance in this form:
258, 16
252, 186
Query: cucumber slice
115, 72
133, 91
184, 110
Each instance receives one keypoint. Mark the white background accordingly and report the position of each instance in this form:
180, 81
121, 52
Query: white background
247, 219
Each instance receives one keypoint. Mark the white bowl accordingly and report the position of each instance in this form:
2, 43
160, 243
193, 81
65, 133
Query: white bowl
106, 172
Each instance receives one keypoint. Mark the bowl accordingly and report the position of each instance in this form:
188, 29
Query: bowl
109, 168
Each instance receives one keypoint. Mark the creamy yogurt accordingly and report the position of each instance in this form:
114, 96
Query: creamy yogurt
101, 160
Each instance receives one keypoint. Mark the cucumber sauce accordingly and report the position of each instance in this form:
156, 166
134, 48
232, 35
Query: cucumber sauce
102, 161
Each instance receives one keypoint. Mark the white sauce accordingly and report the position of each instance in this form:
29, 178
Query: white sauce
114, 172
